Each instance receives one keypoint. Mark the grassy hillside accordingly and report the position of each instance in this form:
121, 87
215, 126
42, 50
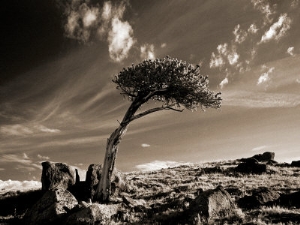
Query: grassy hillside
164, 196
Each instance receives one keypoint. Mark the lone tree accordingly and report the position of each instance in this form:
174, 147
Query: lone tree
174, 83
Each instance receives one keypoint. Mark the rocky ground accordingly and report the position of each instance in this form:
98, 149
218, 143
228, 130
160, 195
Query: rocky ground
245, 191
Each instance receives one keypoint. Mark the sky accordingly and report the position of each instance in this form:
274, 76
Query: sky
57, 101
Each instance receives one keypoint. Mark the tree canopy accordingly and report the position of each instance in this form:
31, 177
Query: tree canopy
175, 83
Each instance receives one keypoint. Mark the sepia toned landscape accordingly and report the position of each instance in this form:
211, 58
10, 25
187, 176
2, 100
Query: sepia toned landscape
149, 112
223, 192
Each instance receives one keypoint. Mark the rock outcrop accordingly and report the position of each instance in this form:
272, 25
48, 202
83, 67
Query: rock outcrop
295, 163
93, 176
259, 197
93, 214
265, 157
211, 204
251, 165
52, 208
56, 175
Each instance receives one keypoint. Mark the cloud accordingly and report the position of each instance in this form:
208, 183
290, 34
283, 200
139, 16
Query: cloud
23, 161
81, 21
120, 39
157, 165
46, 129
259, 148
290, 51
15, 130
145, 145
252, 29
88, 22
224, 55
163, 45
25, 130
265, 8
147, 51
23, 186
265, 76
260, 100
278, 29
224, 82
43, 157
25, 156
240, 35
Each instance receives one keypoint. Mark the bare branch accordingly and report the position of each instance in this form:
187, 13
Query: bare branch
154, 110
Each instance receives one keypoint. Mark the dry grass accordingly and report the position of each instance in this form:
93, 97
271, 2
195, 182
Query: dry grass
167, 193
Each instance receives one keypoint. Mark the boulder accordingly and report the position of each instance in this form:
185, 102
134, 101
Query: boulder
52, 208
210, 205
295, 163
259, 197
93, 214
289, 200
265, 157
93, 176
56, 175
251, 165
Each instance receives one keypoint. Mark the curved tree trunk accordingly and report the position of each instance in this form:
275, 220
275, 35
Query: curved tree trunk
103, 189
104, 186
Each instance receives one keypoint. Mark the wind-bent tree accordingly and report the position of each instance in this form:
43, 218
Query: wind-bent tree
174, 83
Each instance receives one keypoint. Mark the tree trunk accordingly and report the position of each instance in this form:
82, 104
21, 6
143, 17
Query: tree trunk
103, 190
104, 187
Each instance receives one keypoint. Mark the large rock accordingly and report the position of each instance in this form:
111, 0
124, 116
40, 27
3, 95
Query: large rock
260, 196
210, 205
251, 165
289, 200
51, 208
93, 176
93, 214
56, 175
295, 163
265, 157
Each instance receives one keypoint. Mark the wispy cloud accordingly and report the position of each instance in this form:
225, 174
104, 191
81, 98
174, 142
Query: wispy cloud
278, 29
163, 45
46, 129
21, 161
265, 8
147, 51
224, 82
265, 76
240, 35
262, 100
26, 129
224, 56
17, 130
43, 157
157, 165
290, 51
259, 148
145, 145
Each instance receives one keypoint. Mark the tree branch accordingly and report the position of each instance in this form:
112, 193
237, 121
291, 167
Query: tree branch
154, 110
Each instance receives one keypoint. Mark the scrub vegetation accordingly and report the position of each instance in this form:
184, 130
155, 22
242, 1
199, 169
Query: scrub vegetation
168, 196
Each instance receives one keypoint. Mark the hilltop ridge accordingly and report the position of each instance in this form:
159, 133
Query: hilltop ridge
171, 196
